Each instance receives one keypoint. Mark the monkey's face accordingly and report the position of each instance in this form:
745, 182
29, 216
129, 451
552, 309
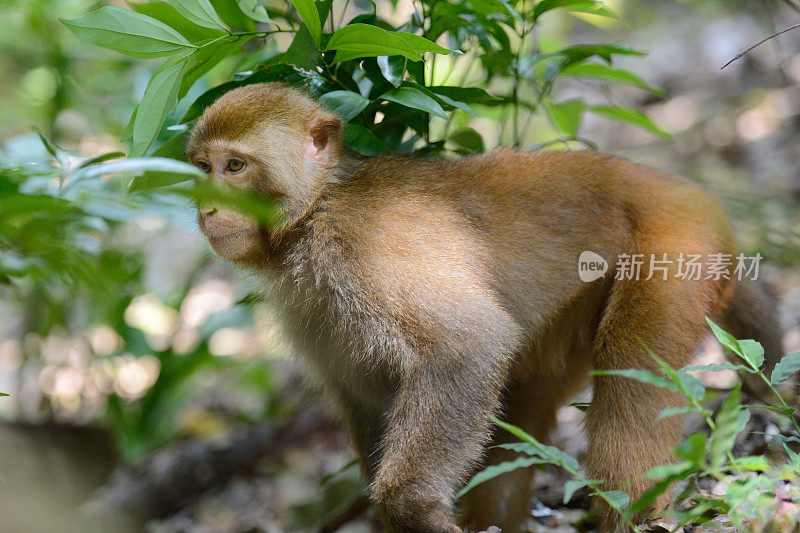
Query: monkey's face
273, 141
232, 235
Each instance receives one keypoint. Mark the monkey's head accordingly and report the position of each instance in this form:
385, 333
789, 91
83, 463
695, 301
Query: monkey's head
269, 139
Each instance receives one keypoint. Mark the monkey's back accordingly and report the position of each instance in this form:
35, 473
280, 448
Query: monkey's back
517, 211
512, 225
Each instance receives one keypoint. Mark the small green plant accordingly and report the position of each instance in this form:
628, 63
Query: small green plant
398, 87
758, 492
60, 267
536, 453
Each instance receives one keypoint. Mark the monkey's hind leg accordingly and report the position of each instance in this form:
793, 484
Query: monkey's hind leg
626, 435
505, 501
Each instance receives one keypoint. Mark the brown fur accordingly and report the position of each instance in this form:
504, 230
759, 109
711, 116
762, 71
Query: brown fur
429, 294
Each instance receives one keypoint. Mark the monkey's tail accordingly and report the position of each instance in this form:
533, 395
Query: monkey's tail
753, 314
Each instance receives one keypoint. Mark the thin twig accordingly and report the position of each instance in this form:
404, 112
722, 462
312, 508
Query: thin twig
749, 49
341, 17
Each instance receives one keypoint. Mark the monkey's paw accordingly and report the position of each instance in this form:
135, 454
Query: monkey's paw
402, 511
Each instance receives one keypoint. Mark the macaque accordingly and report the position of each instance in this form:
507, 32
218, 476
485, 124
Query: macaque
429, 294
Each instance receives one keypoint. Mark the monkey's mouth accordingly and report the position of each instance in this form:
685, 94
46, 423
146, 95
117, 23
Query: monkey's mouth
225, 237
234, 245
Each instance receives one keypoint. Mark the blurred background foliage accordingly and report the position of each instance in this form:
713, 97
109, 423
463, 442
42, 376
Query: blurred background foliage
114, 316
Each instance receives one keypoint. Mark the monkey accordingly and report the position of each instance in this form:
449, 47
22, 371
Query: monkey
429, 294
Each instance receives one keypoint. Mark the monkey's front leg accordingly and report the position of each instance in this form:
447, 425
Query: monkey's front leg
437, 426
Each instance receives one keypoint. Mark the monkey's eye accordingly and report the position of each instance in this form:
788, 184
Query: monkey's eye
205, 167
235, 165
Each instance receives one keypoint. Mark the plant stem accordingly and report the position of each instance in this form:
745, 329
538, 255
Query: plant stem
262, 33
789, 411
518, 77
341, 17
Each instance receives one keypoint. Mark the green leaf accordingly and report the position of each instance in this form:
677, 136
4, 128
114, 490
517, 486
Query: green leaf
421, 44
346, 104
201, 12
571, 486
492, 7
749, 350
255, 205
167, 14
567, 116
673, 411
599, 71
363, 141
413, 97
519, 447
553, 454
207, 57
752, 463
463, 106
594, 7
693, 386
716, 367
727, 423
630, 115
127, 133
52, 149
785, 368
793, 457
670, 470
617, 499
468, 139
788, 411
693, 448
688, 385
742, 420
752, 352
442, 98
102, 159
645, 376
393, 68
161, 175
579, 52
255, 10
3, 394
307, 10
138, 166
174, 147
128, 32
364, 40
158, 102
232, 15
469, 95
303, 52
725, 338
667, 474
493, 471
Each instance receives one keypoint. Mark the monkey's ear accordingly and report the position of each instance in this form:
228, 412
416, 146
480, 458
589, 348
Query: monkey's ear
323, 146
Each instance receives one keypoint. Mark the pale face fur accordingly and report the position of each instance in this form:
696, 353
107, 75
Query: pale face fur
283, 162
231, 234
